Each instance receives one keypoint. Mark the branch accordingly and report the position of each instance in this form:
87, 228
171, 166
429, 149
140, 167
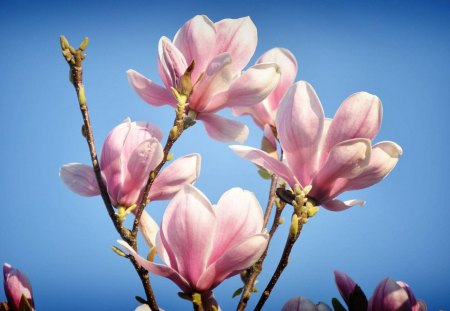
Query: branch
75, 60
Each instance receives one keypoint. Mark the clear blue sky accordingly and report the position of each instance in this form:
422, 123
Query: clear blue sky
398, 50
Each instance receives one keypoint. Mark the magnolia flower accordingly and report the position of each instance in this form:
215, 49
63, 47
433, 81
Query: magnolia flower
394, 296
219, 51
345, 285
202, 244
303, 304
130, 152
16, 285
264, 113
332, 156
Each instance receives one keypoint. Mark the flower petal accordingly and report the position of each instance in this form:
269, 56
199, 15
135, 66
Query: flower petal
389, 295
188, 227
263, 159
260, 113
145, 157
336, 205
216, 79
149, 228
299, 304
16, 284
171, 63
299, 123
233, 261
223, 129
79, 178
359, 116
158, 269
250, 88
347, 159
149, 91
241, 216
288, 68
184, 170
238, 37
383, 159
345, 285
197, 41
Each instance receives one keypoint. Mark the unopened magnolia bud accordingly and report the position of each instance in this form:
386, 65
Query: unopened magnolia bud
64, 42
169, 157
84, 44
293, 230
173, 132
118, 251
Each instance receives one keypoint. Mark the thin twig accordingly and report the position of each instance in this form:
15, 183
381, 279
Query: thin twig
256, 269
75, 60
178, 127
271, 201
291, 239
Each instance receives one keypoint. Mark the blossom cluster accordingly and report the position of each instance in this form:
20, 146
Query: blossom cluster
204, 70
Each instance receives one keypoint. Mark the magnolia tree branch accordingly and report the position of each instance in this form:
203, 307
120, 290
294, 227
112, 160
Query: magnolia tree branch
256, 269
75, 60
299, 218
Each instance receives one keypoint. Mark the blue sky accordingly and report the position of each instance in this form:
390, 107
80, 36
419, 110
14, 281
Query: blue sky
397, 50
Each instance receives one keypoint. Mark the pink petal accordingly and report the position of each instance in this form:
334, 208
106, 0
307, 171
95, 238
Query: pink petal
197, 41
184, 170
223, 129
359, 116
263, 159
145, 157
149, 228
260, 113
149, 91
383, 159
270, 136
253, 86
161, 270
238, 37
233, 261
79, 178
152, 129
345, 285
241, 216
299, 304
111, 157
171, 63
188, 228
347, 159
389, 296
337, 205
299, 122
217, 78
16, 284
288, 68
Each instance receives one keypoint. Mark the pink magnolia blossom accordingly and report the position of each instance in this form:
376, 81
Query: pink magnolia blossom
16, 284
220, 51
394, 296
202, 244
265, 112
345, 285
303, 304
332, 156
130, 152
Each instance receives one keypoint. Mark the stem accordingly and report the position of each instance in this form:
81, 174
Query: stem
292, 238
254, 271
75, 60
271, 201
175, 133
